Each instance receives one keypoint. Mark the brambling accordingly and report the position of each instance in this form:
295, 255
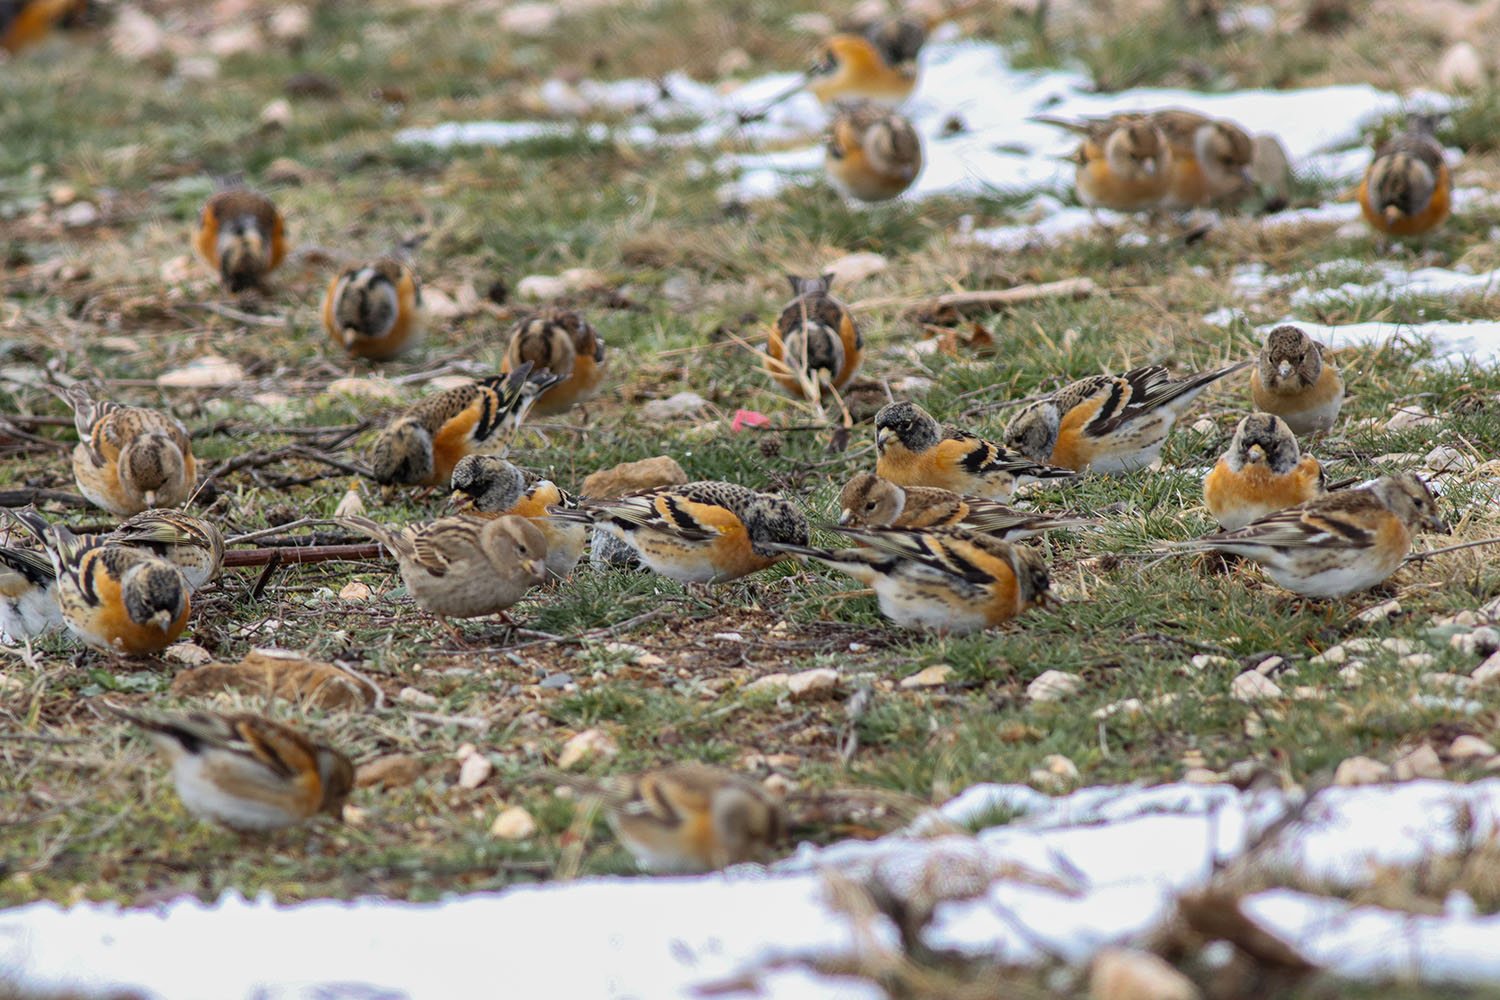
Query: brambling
696, 533
688, 818
950, 579
129, 458
245, 771
1293, 381
1337, 544
1108, 423
375, 310
421, 447
24, 22
192, 544
872, 154
915, 450
1124, 162
1211, 158
242, 236
870, 501
1407, 188
115, 598
463, 567
1262, 472
28, 594
815, 341
489, 487
879, 64
562, 342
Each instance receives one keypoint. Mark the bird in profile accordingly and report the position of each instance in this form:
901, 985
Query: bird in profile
488, 487
1123, 162
867, 500
915, 450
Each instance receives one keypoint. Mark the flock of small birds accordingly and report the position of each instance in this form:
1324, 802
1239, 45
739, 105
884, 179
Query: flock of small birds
930, 527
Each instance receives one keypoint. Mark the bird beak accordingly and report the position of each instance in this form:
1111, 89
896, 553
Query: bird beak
846, 516
1258, 453
162, 620
350, 336
1149, 167
1284, 369
882, 436
456, 502
150, 497
1438, 524
1392, 214
538, 568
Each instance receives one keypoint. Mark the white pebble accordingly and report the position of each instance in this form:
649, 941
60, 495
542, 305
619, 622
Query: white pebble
1253, 686
1053, 685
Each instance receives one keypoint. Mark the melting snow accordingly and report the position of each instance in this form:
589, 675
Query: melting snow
1065, 876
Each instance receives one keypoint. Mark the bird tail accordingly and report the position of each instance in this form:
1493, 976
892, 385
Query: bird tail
365, 526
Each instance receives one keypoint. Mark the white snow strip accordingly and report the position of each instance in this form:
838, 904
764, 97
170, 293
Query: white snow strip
1064, 877
1452, 342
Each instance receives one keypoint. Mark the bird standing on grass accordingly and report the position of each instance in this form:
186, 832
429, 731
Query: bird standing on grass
242, 236
1407, 190
375, 310
1262, 472
129, 458
915, 450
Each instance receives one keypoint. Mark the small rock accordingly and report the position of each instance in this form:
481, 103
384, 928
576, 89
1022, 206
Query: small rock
1397, 645
209, 371
589, 744
679, 405
1306, 692
542, 287
285, 170
530, 19
855, 267
1269, 665
1253, 686
62, 195
78, 215
1205, 661
1397, 459
189, 654
1460, 70
1409, 416
276, 114
728, 637
1417, 661
292, 23
555, 682
647, 473
812, 23
364, 388
778, 785
1330, 657
513, 823
1465, 618
136, 34
1482, 641
1053, 685
1446, 458
350, 504
199, 68
1423, 762
650, 660
412, 696
394, 770
820, 682
1470, 748
1361, 771
1127, 706
1061, 766
1380, 612
770, 682
355, 592
934, 676
1127, 974
1353, 673
1202, 776
1454, 682
239, 39
445, 382
1205, 426
474, 771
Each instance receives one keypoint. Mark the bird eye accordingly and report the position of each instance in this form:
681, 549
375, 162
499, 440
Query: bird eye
870, 505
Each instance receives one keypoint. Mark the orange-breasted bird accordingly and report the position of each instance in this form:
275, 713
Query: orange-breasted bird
562, 342
375, 310
129, 458
1262, 472
1124, 162
872, 153
242, 236
915, 450
24, 22
1295, 381
815, 341
487, 486
868, 500
1407, 189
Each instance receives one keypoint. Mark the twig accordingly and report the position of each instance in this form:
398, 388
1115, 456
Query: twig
1418, 556
301, 554
22, 496
237, 315
1068, 288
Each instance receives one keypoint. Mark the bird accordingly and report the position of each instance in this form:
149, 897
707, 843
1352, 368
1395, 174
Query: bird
24, 22
915, 450
28, 594
421, 447
562, 342
878, 64
688, 817
193, 544
487, 486
1262, 472
115, 598
697, 533
1108, 423
868, 500
1294, 381
872, 153
245, 771
1124, 162
242, 236
1407, 188
129, 458
463, 567
950, 579
1337, 544
375, 310
1211, 159
815, 341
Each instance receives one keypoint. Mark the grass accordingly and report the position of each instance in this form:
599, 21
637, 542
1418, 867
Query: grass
89, 814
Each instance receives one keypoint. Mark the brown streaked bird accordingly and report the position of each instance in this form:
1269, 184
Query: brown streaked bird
129, 458
697, 533
1108, 423
815, 342
1407, 189
247, 772
375, 310
1337, 544
1211, 159
688, 817
115, 598
562, 342
950, 579
192, 544
463, 567
28, 594
872, 154
915, 450
1262, 472
421, 447
1124, 162
868, 500
25, 22
242, 236
489, 487
1296, 382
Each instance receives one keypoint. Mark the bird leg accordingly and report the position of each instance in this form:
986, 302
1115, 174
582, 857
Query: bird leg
452, 630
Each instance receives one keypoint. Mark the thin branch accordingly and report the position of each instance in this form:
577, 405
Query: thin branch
301, 554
